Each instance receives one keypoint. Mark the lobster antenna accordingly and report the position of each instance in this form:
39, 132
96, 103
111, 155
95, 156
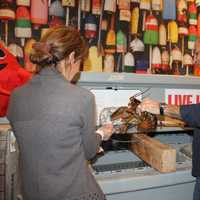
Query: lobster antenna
142, 92
146, 95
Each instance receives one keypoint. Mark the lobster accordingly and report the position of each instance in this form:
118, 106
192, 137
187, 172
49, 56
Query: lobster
126, 117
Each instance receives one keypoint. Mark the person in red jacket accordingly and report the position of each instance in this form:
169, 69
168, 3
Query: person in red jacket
12, 75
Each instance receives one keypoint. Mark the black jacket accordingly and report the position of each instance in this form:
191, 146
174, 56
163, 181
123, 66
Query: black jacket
191, 114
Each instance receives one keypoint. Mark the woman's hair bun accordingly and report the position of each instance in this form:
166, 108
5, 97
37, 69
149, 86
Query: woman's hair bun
41, 54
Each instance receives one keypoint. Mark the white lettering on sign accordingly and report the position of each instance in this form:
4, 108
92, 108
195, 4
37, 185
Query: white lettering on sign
182, 96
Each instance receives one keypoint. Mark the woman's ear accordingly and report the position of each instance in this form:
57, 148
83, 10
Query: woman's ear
71, 58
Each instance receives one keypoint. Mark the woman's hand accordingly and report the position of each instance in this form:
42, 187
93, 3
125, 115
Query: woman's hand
149, 105
105, 131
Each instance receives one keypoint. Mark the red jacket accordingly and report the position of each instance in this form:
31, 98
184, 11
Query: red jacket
12, 75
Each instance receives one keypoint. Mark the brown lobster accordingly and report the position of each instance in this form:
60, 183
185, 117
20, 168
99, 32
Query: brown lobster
126, 117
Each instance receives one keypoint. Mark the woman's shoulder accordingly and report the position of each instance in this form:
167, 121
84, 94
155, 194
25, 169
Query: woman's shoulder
80, 91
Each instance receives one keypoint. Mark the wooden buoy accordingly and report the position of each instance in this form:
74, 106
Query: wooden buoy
109, 63
156, 61
129, 63
169, 10
23, 24
192, 14
39, 13
162, 35
188, 64
134, 20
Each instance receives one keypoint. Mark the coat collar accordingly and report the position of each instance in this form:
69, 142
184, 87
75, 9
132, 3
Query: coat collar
49, 71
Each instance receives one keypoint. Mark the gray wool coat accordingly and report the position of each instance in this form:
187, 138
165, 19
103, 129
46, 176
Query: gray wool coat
54, 124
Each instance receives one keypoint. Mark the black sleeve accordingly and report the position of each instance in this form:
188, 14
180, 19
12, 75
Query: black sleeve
191, 114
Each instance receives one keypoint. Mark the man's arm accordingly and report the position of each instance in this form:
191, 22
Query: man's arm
188, 113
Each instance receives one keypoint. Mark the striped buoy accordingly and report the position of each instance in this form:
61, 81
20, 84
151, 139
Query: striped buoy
187, 59
176, 61
156, 60
192, 14
176, 54
188, 63
165, 61
23, 24
192, 37
151, 30
90, 27
39, 13
151, 35
129, 62
6, 11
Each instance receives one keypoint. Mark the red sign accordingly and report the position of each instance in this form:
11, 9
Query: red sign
182, 96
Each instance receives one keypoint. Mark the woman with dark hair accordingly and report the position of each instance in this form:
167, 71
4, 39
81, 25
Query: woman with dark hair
54, 123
